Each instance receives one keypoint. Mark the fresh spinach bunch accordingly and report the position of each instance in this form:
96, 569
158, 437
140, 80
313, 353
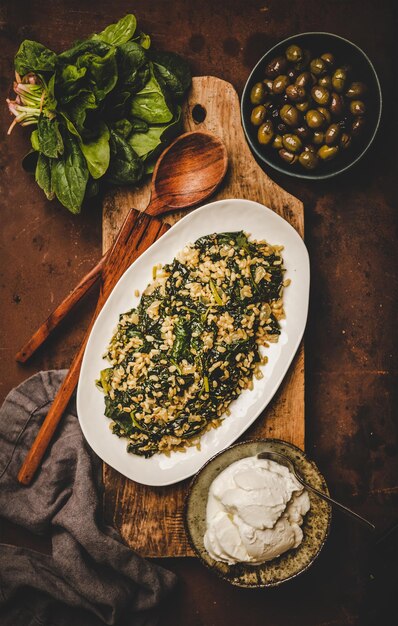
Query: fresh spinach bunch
102, 110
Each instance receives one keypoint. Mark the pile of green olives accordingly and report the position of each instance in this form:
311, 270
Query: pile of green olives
307, 108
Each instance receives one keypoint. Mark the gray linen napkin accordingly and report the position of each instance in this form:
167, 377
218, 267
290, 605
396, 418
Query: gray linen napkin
91, 578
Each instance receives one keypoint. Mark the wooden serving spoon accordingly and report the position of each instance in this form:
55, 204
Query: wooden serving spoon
187, 173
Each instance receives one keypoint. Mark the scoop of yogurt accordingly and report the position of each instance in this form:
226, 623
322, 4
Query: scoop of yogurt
254, 513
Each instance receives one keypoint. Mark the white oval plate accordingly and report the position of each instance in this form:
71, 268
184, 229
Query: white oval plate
220, 216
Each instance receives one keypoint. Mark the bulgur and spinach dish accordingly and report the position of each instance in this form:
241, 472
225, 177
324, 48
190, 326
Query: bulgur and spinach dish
192, 345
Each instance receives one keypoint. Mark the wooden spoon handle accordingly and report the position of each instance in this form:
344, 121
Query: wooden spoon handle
138, 232
33, 458
60, 312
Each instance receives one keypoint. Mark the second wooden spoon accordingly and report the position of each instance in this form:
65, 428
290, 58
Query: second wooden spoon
187, 173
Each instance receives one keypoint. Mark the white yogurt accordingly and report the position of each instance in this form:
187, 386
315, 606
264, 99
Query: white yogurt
254, 512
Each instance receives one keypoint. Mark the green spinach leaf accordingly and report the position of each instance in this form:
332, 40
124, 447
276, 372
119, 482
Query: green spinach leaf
71, 82
43, 175
117, 104
97, 152
34, 140
174, 71
119, 33
125, 168
139, 126
133, 66
78, 108
150, 103
148, 144
99, 61
49, 138
92, 188
123, 127
69, 175
144, 40
102, 72
34, 57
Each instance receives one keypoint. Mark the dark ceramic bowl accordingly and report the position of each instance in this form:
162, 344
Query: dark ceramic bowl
290, 564
345, 52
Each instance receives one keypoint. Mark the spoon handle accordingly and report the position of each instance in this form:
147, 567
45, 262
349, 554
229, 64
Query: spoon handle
340, 506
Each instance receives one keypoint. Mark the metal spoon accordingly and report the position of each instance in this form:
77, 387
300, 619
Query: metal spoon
284, 460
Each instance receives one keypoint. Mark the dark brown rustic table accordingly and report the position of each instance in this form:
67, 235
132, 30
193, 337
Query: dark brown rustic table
351, 335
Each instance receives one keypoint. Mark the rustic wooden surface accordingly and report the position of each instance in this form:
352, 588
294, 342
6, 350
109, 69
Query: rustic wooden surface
161, 531
351, 341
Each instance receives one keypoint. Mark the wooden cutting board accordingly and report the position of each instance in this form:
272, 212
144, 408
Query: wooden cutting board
150, 519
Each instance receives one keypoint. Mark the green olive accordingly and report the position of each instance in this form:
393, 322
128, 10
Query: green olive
318, 66
357, 107
303, 64
292, 143
310, 148
308, 159
280, 83
328, 58
258, 93
339, 79
345, 141
258, 115
327, 153
276, 67
347, 68
304, 133
326, 114
268, 82
325, 81
336, 105
332, 134
277, 143
356, 90
289, 115
304, 79
294, 53
314, 118
357, 126
288, 156
295, 93
319, 137
320, 94
265, 133
303, 106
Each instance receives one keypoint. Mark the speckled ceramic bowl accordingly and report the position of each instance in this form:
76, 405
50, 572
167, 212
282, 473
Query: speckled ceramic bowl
315, 527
